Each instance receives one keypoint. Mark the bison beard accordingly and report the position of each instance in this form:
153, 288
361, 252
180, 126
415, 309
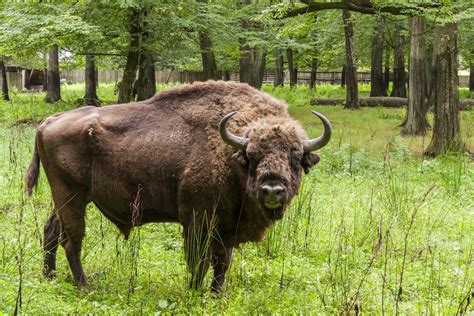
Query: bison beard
182, 150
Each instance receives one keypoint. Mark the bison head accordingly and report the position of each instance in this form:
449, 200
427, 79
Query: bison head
272, 154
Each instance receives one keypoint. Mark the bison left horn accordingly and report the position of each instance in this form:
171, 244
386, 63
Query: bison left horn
228, 137
321, 141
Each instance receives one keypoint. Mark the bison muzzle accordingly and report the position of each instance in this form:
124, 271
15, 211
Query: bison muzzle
222, 159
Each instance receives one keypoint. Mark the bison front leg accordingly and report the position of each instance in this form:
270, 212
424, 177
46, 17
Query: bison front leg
221, 258
196, 250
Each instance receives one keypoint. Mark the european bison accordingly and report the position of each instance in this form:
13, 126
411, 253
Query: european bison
174, 158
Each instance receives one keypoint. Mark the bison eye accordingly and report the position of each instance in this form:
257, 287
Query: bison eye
295, 160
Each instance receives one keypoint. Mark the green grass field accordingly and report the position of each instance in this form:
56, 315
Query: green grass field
375, 228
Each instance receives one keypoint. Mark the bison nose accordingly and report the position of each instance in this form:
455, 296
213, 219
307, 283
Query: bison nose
272, 193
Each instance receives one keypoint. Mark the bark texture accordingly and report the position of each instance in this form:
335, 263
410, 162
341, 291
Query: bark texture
471, 77
399, 75
446, 134
3, 81
352, 93
279, 79
209, 66
291, 68
251, 58
145, 85
314, 69
125, 86
343, 76
377, 84
90, 97
386, 76
416, 122
45, 79
53, 85
26, 78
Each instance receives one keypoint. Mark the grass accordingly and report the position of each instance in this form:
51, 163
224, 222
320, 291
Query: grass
375, 228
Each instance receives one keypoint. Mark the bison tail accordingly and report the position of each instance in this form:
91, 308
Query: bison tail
32, 174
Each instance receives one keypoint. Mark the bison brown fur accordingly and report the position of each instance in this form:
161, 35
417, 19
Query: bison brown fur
225, 185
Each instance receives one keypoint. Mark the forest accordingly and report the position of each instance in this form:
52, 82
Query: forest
381, 225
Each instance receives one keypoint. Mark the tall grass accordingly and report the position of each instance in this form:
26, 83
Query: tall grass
375, 229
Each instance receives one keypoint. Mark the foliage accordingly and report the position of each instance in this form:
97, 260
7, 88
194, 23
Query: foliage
370, 210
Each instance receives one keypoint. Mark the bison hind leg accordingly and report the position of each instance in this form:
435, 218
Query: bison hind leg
52, 231
70, 211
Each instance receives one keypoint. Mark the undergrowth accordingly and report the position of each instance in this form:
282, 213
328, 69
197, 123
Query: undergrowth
375, 228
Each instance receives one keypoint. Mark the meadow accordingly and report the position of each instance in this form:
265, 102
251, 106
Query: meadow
376, 228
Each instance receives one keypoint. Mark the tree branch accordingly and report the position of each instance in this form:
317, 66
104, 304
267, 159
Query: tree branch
361, 6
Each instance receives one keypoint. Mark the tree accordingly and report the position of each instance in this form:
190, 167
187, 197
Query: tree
314, 68
416, 122
251, 57
399, 75
90, 97
125, 86
291, 67
209, 66
352, 93
3, 81
53, 88
279, 79
386, 76
145, 84
446, 134
377, 84
471, 77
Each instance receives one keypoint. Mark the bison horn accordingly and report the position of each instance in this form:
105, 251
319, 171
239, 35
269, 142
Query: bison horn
228, 137
321, 141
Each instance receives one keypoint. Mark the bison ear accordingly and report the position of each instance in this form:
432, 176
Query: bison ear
309, 160
241, 158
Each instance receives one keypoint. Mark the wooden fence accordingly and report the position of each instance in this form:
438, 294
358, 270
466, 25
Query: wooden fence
168, 76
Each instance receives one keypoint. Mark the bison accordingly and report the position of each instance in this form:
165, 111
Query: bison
176, 157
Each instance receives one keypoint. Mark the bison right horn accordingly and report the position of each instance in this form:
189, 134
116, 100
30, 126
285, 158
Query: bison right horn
228, 137
321, 141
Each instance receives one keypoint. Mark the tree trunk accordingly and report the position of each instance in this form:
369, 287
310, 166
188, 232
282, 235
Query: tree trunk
399, 75
291, 68
352, 93
26, 75
226, 75
90, 97
45, 79
343, 76
145, 85
446, 134
377, 84
314, 68
53, 87
279, 79
415, 122
428, 76
471, 77
261, 72
3, 81
209, 66
251, 58
125, 87
146, 81
386, 79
